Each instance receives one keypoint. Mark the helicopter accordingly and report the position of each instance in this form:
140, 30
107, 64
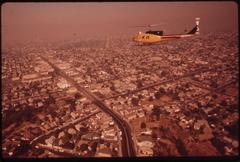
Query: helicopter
152, 37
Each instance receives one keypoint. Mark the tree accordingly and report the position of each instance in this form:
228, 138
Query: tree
214, 84
23, 147
112, 88
69, 145
143, 125
157, 95
94, 146
139, 84
135, 101
77, 96
214, 96
150, 98
232, 129
164, 73
233, 108
83, 147
218, 144
84, 129
223, 91
161, 90
140, 96
223, 103
101, 141
181, 147
176, 97
73, 106
154, 135
156, 111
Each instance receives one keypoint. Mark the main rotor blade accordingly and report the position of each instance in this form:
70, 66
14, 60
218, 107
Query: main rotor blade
150, 25
141, 26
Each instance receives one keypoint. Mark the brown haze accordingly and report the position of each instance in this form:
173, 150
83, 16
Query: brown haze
58, 21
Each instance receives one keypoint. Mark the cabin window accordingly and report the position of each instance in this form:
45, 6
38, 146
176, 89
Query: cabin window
143, 37
147, 37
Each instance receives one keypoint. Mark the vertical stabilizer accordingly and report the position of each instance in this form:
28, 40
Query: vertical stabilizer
197, 25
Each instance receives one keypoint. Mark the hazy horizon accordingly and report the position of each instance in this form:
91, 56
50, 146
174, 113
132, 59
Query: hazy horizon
58, 21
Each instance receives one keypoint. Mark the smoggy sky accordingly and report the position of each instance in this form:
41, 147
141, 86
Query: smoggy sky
56, 21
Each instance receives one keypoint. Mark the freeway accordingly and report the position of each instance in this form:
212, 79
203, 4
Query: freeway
128, 148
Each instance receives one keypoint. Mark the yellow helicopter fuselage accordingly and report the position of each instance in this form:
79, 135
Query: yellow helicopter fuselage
147, 38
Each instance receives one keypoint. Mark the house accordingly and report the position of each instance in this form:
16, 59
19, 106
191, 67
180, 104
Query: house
131, 116
103, 151
145, 148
